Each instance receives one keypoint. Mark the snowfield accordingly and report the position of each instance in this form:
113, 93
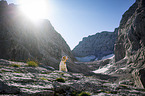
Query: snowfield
108, 57
93, 58
103, 69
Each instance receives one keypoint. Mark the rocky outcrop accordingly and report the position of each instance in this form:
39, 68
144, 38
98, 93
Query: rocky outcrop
139, 77
21, 39
130, 45
131, 35
99, 45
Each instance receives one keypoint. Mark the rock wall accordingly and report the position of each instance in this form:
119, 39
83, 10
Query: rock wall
131, 34
21, 39
130, 45
99, 45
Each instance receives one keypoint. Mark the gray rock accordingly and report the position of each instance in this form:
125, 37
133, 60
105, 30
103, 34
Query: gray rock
131, 36
139, 77
5, 89
130, 43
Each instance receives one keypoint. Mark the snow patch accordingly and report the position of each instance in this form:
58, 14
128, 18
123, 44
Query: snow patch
86, 59
103, 69
108, 57
96, 59
124, 68
93, 57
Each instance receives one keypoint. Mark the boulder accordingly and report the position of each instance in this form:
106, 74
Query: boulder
5, 89
139, 77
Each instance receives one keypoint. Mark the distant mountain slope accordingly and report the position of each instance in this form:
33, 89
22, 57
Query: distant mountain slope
21, 39
98, 45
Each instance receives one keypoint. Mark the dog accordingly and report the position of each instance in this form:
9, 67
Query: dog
62, 65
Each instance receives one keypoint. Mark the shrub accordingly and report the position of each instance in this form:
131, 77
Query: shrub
32, 64
84, 94
60, 80
14, 65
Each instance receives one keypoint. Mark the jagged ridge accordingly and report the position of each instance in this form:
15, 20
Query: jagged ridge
99, 45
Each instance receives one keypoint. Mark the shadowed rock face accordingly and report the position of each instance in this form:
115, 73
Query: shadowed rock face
21, 39
99, 45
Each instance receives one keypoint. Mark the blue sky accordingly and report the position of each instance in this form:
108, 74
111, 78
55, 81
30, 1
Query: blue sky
75, 19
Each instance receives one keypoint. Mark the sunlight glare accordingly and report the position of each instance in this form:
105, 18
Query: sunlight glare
34, 9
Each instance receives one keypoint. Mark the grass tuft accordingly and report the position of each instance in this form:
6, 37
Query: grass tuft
15, 65
42, 78
32, 64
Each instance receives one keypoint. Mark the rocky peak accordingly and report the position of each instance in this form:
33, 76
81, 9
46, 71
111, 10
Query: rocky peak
99, 45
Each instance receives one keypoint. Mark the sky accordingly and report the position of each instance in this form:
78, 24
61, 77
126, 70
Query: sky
75, 19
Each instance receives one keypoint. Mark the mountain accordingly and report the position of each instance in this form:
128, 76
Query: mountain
98, 45
22, 40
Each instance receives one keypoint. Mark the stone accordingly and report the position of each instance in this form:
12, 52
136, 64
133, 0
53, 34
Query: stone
139, 77
131, 31
5, 89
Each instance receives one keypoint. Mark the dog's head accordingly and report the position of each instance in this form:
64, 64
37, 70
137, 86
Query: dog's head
64, 58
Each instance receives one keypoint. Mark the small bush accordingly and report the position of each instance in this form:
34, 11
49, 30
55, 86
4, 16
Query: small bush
60, 80
14, 65
32, 64
84, 94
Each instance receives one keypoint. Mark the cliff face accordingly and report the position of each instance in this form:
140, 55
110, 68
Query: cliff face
130, 45
21, 39
131, 36
99, 45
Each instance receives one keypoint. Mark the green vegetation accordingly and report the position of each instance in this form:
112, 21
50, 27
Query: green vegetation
60, 80
108, 92
84, 94
32, 64
140, 90
15, 65
17, 72
42, 78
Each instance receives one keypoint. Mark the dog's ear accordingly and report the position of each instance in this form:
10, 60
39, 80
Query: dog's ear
63, 58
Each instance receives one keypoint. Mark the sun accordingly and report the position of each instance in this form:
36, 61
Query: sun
34, 9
